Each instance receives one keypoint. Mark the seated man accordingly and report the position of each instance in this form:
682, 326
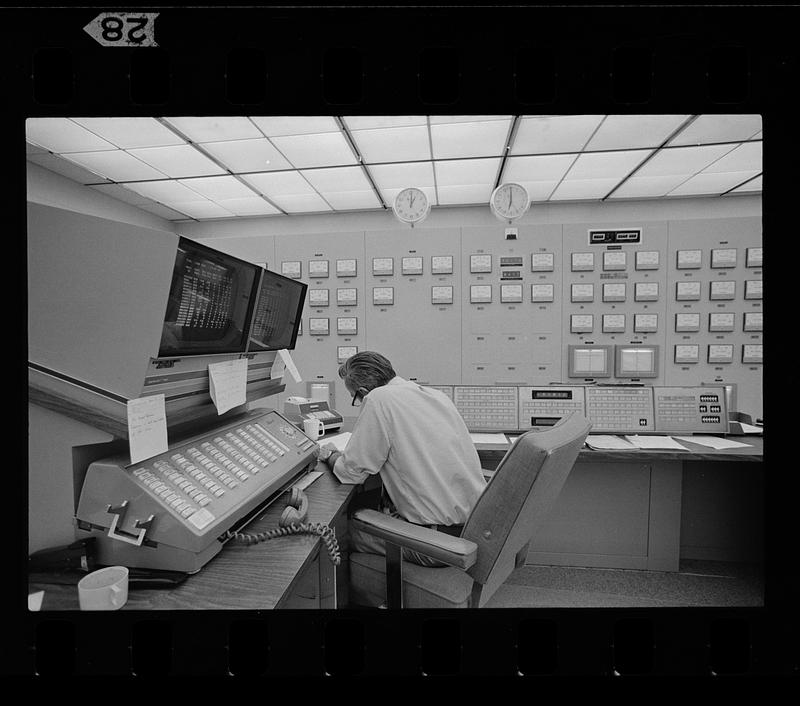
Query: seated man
414, 437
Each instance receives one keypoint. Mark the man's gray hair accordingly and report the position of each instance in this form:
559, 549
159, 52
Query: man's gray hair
366, 369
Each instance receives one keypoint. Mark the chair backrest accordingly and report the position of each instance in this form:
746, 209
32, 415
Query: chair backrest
519, 496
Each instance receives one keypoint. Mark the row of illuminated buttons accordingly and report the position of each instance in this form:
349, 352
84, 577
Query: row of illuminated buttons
227, 459
247, 451
719, 353
544, 404
167, 493
188, 467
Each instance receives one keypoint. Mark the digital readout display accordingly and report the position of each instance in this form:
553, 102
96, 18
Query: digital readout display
551, 394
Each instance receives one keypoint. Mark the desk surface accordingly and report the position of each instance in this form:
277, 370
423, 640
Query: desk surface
251, 577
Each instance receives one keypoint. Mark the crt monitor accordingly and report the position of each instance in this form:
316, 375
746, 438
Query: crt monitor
279, 307
210, 302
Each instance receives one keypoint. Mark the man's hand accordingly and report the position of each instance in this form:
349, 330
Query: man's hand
324, 452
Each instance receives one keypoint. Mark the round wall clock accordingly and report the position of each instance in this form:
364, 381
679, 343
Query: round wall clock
509, 201
411, 206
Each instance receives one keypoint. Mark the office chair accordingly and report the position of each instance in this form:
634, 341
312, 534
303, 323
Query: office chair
495, 537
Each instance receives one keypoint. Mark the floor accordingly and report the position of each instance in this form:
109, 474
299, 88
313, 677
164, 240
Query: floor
696, 584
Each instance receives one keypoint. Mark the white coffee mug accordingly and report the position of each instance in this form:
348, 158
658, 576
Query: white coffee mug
104, 589
313, 428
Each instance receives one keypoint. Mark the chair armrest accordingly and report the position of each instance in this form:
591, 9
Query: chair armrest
451, 550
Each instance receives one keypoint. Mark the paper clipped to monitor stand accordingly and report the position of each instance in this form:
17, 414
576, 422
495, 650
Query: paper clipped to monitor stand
227, 384
147, 427
283, 361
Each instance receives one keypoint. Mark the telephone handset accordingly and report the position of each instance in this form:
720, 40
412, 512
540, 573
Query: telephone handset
297, 509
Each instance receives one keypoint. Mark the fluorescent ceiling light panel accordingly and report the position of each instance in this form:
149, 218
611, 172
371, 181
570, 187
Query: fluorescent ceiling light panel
539, 190
34, 149
389, 194
746, 157
275, 184
337, 179
120, 193
215, 129
399, 144
445, 119
116, 165
202, 209
178, 161
676, 161
605, 165
293, 125
371, 122
257, 155
66, 168
462, 172
483, 139
584, 189
711, 183
299, 203
131, 132
465, 194
166, 191
752, 185
624, 132
217, 188
352, 200
400, 176
561, 133
545, 168
251, 206
652, 186
719, 128
63, 135
328, 149
163, 211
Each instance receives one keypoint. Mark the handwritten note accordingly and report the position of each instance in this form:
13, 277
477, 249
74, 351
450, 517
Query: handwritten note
147, 427
283, 361
227, 382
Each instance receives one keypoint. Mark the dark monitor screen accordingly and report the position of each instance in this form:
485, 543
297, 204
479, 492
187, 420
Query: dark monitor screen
277, 314
210, 302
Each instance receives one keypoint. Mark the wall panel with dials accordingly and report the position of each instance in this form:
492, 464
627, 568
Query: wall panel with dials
511, 304
715, 328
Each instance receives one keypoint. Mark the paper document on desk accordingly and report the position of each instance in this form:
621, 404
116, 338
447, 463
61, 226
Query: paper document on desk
337, 440
750, 429
714, 442
602, 442
655, 442
489, 439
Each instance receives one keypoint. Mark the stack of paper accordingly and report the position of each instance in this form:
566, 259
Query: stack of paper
655, 442
489, 439
608, 441
714, 442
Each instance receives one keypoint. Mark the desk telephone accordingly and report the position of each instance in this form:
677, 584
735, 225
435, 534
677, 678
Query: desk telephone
176, 510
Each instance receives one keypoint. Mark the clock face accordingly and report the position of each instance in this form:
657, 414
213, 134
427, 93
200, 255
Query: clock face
509, 201
411, 205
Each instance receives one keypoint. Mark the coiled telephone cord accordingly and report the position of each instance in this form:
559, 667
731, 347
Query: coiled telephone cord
323, 531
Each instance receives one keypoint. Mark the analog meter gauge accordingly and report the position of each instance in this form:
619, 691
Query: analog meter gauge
411, 206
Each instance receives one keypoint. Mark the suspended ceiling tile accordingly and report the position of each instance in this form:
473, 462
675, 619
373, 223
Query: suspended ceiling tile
460, 172
605, 165
472, 139
544, 168
583, 189
295, 125
393, 144
63, 135
719, 128
389, 194
34, 149
121, 193
465, 194
352, 200
116, 165
301, 203
624, 132
178, 161
757, 136
202, 209
275, 184
752, 185
166, 191
539, 190
703, 184
400, 176
217, 188
548, 134
652, 186
163, 211
337, 179
328, 149
215, 129
131, 132
250, 206
370, 122
746, 157
675, 161
66, 168
445, 119
257, 155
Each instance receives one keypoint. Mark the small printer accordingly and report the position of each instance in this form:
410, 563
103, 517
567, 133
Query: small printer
296, 409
